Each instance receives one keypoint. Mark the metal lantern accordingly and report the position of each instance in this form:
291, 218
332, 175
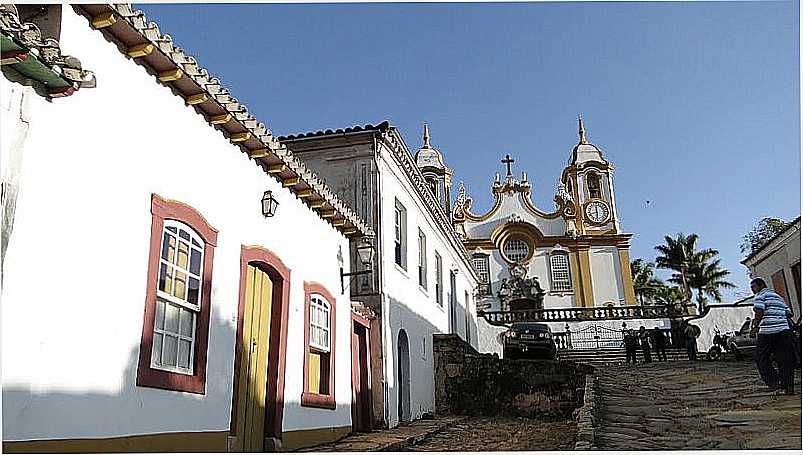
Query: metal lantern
269, 204
365, 251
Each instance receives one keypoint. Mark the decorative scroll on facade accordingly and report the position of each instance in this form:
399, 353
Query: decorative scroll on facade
519, 292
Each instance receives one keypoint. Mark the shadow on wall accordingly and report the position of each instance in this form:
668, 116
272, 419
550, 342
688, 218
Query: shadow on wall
420, 382
134, 419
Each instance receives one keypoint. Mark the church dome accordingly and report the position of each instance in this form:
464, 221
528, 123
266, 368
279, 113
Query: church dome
583, 151
427, 156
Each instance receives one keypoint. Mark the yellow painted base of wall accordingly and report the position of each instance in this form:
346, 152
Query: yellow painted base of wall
298, 439
162, 442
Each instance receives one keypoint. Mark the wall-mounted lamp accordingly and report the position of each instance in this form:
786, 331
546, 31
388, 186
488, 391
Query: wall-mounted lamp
269, 204
365, 251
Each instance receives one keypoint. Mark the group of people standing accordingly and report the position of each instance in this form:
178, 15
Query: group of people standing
646, 341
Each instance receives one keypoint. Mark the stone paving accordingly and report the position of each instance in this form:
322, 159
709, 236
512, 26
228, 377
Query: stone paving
393, 440
700, 405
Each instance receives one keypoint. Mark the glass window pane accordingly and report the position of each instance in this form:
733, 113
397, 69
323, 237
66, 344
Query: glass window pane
195, 262
172, 229
156, 352
170, 350
171, 318
183, 259
165, 278
180, 285
184, 354
184, 235
187, 318
168, 247
159, 321
194, 291
195, 242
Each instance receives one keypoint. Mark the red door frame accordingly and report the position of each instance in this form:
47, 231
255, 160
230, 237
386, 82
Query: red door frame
361, 397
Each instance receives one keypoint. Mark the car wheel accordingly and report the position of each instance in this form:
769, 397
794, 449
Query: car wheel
715, 353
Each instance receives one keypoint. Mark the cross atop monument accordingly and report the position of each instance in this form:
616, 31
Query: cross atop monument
508, 160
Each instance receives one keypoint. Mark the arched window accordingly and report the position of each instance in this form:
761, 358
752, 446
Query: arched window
176, 327
319, 360
560, 271
593, 184
178, 298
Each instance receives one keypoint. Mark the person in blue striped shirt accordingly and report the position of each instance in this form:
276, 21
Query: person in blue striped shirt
774, 338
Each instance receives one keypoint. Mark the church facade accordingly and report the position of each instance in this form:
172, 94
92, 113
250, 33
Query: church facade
574, 256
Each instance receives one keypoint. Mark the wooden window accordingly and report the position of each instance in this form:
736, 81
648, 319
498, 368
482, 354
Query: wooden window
481, 265
400, 235
176, 326
438, 279
592, 182
422, 259
319, 349
560, 271
779, 285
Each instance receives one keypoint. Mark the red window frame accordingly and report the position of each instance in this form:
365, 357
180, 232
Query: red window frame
161, 210
309, 398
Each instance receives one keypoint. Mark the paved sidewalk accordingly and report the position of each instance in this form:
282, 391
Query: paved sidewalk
392, 440
702, 405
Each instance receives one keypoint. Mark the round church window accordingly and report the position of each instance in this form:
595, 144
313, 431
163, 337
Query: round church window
516, 249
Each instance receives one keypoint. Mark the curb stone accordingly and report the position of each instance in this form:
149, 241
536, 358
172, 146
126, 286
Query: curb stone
585, 416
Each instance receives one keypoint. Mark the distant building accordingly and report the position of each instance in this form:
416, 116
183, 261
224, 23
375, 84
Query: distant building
778, 263
573, 256
424, 281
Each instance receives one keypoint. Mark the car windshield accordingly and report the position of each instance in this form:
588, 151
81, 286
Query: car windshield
531, 326
745, 328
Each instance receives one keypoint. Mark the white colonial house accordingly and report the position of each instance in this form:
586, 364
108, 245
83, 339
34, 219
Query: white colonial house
171, 275
574, 257
423, 281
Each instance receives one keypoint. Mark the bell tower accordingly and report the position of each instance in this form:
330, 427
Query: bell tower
439, 177
589, 180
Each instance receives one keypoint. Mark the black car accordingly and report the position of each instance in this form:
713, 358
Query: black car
530, 340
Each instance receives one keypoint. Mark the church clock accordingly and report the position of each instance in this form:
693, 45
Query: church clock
597, 211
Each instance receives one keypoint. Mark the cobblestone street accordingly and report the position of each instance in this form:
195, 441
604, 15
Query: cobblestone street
705, 405
491, 434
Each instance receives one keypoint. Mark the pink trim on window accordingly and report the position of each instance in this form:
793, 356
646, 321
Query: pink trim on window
161, 210
308, 398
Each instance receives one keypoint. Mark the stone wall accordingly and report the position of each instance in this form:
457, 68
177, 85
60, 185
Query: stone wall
467, 382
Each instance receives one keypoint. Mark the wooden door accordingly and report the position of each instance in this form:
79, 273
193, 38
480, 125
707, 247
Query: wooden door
252, 377
361, 402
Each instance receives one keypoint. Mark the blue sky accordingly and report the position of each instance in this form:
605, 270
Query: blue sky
696, 104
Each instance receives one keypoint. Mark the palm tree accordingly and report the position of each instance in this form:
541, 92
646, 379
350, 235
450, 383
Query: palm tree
694, 269
669, 295
644, 283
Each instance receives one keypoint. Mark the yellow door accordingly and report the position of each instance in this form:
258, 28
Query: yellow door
251, 387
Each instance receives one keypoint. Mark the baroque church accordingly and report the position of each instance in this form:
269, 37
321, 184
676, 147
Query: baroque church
574, 256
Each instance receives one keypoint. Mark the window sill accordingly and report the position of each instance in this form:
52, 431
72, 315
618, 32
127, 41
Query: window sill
401, 270
423, 290
561, 293
315, 400
166, 380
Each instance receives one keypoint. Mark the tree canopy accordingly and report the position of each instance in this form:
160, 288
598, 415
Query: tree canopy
762, 232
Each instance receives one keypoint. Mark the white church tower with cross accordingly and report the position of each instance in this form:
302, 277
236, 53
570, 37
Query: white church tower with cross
572, 256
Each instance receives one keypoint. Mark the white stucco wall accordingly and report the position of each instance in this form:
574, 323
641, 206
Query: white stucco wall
780, 254
727, 318
406, 305
76, 266
606, 275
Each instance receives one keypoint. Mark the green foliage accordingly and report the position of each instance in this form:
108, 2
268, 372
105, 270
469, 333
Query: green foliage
644, 283
762, 232
695, 269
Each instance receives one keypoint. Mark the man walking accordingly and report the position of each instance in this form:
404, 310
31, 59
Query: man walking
644, 339
690, 333
659, 341
771, 324
631, 345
